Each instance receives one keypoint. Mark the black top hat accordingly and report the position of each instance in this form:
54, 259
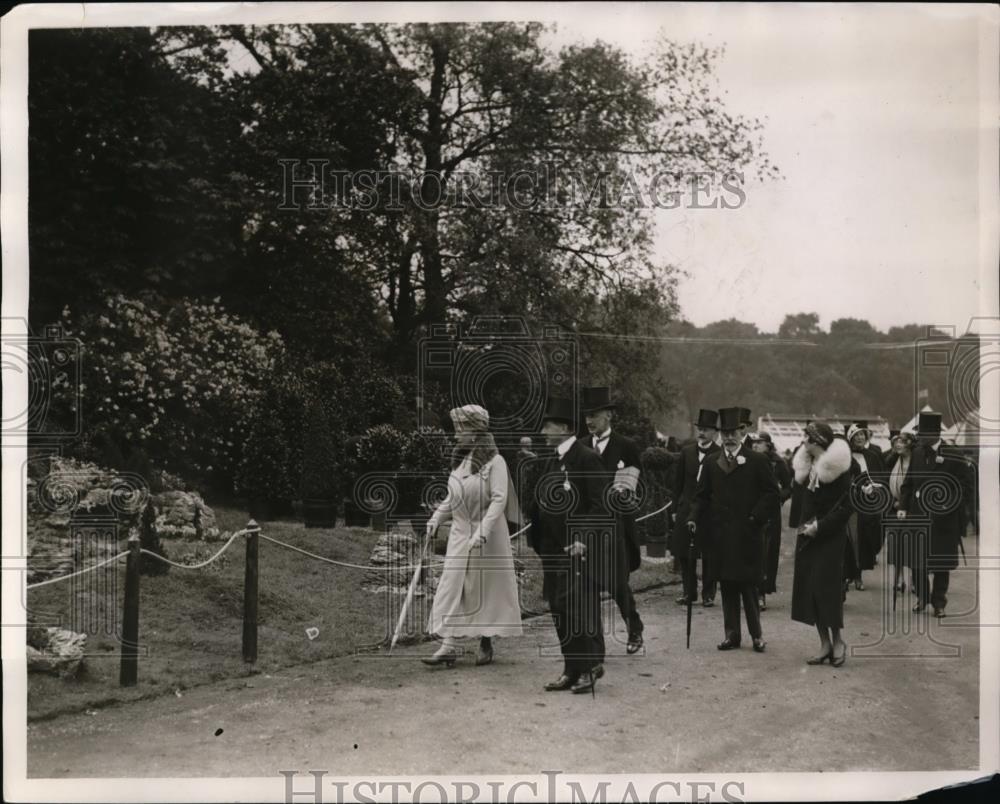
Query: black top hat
598, 398
708, 418
730, 418
929, 424
744, 415
559, 409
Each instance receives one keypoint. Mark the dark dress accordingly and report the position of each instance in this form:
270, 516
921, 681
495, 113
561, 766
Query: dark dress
896, 553
772, 531
817, 592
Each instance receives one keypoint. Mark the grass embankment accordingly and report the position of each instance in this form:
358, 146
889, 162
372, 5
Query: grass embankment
190, 621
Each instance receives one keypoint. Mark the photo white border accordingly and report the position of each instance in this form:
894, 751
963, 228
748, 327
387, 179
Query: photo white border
13, 218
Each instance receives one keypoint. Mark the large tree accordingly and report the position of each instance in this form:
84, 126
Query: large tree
459, 104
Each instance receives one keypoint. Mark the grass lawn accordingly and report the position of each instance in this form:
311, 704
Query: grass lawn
190, 621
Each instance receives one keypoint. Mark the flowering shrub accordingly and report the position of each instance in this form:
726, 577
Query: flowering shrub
181, 384
425, 450
380, 449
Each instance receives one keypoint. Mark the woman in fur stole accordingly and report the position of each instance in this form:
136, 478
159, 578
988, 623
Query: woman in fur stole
820, 509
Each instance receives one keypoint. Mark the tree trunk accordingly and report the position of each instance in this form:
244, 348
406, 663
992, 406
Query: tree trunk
432, 189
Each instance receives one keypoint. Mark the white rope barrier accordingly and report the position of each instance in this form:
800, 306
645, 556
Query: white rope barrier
78, 572
345, 563
639, 519
201, 564
654, 513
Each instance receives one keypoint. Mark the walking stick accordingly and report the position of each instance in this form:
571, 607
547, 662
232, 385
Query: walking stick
410, 592
961, 547
691, 585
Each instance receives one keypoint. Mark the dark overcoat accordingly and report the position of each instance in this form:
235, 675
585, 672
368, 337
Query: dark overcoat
685, 487
817, 592
737, 501
936, 487
619, 453
559, 516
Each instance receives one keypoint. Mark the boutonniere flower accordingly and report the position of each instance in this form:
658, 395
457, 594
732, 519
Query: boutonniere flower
740, 460
621, 464
938, 459
566, 484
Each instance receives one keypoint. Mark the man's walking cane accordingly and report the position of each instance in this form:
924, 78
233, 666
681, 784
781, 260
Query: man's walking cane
691, 585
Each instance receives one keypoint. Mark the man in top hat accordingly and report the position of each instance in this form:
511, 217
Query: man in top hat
737, 491
746, 426
620, 458
570, 531
687, 473
935, 488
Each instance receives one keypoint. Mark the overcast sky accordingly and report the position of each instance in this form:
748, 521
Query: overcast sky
872, 116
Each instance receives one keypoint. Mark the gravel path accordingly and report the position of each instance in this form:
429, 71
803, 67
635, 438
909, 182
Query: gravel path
907, 701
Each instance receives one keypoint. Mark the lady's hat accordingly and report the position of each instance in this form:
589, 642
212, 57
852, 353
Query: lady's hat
854, 429
559, 409
893, 434
708, 418
597, 398
729, 418
929, 424
472, 417
745, 416
819, 433
765, 437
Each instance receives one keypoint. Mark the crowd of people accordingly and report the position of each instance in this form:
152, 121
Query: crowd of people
577, 503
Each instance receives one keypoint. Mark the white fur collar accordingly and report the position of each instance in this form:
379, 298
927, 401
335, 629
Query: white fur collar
835, 460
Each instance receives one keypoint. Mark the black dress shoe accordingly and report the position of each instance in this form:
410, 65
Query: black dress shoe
634, 643
707, 603
759, 645
918, 607
585, 683
728, 644
682, 600
564, 682
938, 612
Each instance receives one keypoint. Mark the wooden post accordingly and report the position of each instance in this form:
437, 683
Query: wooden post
250, 578
129, 675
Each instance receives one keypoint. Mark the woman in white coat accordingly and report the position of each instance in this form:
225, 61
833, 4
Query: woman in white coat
477, 594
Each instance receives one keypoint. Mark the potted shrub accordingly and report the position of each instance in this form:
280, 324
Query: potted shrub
354, 515
423, 461
265, 476
380, 451
656, 467
320, 474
